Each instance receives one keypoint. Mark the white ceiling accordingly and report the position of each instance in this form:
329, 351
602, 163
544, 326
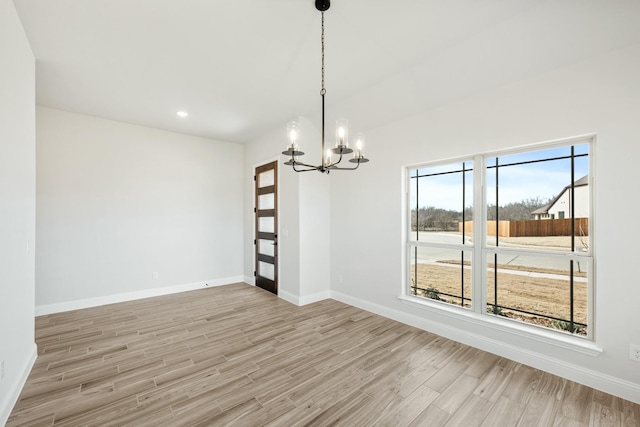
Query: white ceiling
243, 67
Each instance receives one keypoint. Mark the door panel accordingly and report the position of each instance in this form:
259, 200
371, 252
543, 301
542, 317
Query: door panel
266, 227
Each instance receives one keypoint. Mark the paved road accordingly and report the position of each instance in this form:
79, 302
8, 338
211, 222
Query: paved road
426, 255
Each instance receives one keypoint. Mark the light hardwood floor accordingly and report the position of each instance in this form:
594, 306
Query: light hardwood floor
236, 355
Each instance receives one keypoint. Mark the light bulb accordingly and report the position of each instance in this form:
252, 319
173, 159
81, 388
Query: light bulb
359, 145
342, 132
292, 132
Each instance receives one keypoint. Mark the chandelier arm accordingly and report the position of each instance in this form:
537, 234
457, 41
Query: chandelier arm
309, 167
295, 162
335, 163
346, 169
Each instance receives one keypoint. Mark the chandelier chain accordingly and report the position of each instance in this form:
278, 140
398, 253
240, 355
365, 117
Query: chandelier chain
323, 90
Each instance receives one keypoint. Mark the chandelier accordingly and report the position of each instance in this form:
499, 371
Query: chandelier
342, 131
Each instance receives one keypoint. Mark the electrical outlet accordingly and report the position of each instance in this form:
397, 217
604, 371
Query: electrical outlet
634, 352
155, 275
1, 370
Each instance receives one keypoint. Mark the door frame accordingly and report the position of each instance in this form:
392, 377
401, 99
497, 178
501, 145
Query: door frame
254, 236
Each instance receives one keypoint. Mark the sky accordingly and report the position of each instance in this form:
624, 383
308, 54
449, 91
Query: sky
543, 180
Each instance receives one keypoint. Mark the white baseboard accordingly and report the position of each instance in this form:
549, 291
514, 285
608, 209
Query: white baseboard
318, 296
130, 296
289, 297
607, 383
304, 300
9, 401
250, 280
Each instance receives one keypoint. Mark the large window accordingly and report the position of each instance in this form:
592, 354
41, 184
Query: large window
506, 234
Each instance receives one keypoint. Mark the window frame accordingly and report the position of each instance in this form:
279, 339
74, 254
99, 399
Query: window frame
480, 250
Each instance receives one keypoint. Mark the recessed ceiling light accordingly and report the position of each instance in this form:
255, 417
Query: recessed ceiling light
182, 114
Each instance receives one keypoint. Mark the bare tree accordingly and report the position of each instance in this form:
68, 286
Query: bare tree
437, 219
516, 211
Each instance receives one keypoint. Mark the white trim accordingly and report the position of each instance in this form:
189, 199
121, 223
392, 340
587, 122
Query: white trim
591, 286
289, 297
613, 385
520, 329
250, 280
304, 300
553, 143
130, 296
9, 401
318, 296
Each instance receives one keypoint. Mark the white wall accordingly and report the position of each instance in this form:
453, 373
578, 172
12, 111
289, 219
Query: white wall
315, 233
117, 202
600, 95
303, 210
17, 206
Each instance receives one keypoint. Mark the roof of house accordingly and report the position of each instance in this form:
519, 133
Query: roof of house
578, 183
542, 210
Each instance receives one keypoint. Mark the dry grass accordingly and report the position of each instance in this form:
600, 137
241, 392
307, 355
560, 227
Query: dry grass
540, 295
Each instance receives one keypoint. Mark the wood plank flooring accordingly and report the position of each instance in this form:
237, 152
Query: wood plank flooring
237, 355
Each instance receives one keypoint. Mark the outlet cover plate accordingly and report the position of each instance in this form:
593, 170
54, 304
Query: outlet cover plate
634, 352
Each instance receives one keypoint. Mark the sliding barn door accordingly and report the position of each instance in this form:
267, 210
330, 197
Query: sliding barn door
266, 227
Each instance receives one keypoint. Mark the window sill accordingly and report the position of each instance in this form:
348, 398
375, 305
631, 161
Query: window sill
520, 329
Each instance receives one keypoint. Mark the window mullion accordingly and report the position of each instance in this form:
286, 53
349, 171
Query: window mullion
479, 295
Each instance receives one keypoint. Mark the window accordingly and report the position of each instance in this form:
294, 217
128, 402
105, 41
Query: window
518, 247
441, 200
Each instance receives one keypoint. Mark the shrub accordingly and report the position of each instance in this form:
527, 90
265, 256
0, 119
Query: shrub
566, 326
432, 293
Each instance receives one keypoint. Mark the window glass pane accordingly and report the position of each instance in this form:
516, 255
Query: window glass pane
537, 289
266, 178
266, 201
266, 224
413, 206
528, 156
266, 270
530, 199
441, 203
441, 274
580, 149
266, 247
467, 224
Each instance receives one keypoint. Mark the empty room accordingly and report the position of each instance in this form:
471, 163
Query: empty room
314, 212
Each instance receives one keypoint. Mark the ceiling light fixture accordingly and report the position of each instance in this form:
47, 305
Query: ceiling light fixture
182, 114
342, 131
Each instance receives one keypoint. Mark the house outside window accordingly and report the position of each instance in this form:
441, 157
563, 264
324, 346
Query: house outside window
485, 235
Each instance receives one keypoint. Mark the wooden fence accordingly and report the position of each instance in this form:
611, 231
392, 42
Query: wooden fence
532, 228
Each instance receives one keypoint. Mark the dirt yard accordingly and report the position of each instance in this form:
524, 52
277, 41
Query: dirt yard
540, 295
